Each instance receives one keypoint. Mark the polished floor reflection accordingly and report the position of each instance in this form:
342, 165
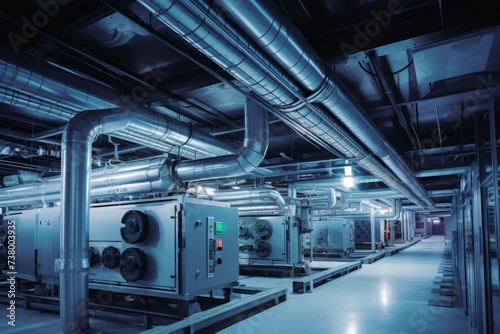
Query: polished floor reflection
389, 296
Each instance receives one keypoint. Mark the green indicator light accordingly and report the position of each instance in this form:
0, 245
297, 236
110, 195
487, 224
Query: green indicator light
218, 228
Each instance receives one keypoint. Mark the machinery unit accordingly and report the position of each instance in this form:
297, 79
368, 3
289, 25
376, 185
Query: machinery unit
332, 237
363, 233
176, 247
269, 243
37, 230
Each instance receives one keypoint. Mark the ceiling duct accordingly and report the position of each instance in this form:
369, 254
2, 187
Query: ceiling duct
374, 194
318, 196
253, 196
205, 28
140, 177
282, 41
395, 214
39, 87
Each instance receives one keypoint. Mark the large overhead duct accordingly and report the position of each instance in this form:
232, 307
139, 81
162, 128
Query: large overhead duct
140, 177
443, 171
395, 214
207, 144
323, 195
254, 197
206, 30
39, 87
373, 194
78, 136
272, 31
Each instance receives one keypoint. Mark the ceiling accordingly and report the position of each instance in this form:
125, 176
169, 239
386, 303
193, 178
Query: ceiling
420, 72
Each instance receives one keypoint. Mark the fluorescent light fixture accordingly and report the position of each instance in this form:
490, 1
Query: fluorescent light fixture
348, 170
348, 181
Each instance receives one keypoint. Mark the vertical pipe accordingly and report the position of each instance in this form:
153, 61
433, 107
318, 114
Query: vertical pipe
392, 232
403, 226
494, 171
372, 227
73, 263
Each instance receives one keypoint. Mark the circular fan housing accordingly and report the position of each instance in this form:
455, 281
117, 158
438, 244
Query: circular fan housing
262, 248
133, 264
263, 229
136, 227
110, 257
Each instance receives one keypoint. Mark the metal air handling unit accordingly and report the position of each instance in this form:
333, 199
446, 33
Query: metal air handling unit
333, 237
175, 247
269, 232
269, 244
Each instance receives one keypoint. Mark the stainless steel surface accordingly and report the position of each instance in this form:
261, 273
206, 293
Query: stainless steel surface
173, 269
333, 237
249, 198
104, 182
245, 161
262, 20
268, 241
30, 83
195, 63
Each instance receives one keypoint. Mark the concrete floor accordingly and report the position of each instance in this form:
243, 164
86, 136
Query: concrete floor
390, 295
387, 296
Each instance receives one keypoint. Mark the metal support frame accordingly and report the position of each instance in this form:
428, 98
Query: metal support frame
222, 316
311, 281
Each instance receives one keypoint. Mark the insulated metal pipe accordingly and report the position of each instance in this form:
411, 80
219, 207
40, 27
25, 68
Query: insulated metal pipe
78, 136
329, 195
359, 215
207, 31
21, 72
145, 170
254, 196
73, 263
271, 30
29, 83
246, 160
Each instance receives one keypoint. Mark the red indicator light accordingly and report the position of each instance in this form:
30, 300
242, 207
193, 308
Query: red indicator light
219, 244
